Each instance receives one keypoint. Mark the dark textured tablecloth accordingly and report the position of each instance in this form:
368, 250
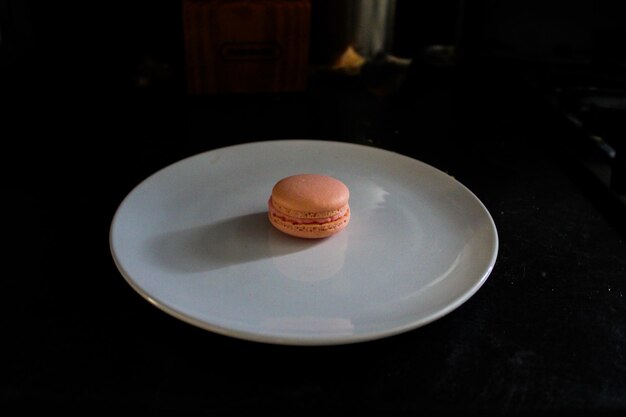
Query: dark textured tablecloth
546, 334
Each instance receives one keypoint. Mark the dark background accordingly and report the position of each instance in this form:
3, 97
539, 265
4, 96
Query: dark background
96, 102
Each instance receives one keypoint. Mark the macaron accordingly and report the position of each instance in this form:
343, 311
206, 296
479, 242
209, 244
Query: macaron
309, 206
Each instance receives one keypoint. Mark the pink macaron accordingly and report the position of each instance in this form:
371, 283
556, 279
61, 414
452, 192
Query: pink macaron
309, 206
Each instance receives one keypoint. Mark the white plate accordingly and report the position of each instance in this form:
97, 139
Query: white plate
194, 240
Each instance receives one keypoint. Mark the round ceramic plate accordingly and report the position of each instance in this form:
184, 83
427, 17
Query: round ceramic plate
194, 240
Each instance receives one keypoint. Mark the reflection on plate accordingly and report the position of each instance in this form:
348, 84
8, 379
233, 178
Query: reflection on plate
194, 240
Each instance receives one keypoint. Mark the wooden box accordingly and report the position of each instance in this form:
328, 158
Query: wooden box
241, 46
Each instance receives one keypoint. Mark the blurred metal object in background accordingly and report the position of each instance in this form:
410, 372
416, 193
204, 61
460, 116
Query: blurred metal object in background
372, 26
347, 33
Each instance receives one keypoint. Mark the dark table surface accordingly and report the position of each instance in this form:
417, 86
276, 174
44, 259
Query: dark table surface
546, 334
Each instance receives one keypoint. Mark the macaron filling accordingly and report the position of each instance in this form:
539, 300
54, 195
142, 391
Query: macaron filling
344, 211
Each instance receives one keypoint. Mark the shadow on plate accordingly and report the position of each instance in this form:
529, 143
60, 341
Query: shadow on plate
225, 243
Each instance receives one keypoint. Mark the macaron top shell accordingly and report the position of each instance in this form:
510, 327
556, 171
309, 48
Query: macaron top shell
310, 195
